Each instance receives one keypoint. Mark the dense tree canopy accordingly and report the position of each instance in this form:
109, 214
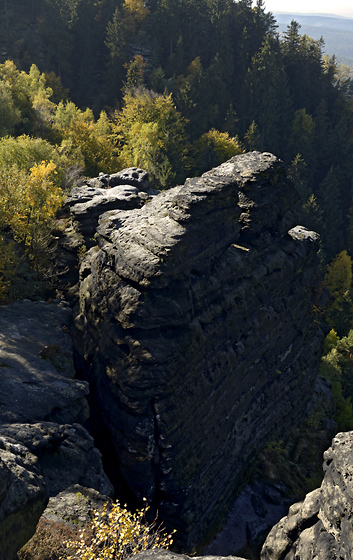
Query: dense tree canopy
175, 87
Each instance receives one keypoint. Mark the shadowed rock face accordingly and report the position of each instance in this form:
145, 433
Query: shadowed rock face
195, 320
43, 449
321, 526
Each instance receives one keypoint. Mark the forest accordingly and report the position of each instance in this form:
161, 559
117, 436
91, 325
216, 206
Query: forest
175, 87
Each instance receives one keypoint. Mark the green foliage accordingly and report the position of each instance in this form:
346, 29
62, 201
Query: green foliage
268, 94
212, 149
81, 252
337, 367
338, 280
331, 341
151, 134
9, 265
329, 196
28, 202
135, 73
252, 137
115, 534
26, 98
9, 113
235, 75
86, 140
17, 278
338, 277
25, 152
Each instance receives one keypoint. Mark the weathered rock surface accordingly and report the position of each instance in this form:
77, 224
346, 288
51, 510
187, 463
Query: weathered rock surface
75, 505
66, 454
65, 515
124, 190
36, 365
43, 449
160, 554
23, 497
196, 328
320, 527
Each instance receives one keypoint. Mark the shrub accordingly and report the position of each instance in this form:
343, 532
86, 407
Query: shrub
116, 533
48, 541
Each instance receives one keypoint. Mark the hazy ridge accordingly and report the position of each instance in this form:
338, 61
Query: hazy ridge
337, 32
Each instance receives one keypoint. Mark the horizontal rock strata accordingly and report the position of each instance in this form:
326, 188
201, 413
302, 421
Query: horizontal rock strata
197, 328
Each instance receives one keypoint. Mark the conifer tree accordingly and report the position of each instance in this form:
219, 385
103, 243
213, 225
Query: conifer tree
330, 202
268, 95
338, 280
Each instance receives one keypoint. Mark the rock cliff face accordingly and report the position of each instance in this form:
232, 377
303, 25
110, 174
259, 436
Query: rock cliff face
321, 526
196, 325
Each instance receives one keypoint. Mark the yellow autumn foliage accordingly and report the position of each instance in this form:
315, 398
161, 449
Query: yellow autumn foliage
28, 203
115, 534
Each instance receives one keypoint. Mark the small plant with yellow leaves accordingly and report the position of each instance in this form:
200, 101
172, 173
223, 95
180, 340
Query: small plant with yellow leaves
115, 534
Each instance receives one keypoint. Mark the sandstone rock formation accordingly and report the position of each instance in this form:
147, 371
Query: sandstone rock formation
43, 448
36, 365
65, 515
75, 505
321, 526
124, 190
161, 554
196, 330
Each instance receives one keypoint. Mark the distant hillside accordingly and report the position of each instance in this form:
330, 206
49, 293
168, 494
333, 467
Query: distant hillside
337, 32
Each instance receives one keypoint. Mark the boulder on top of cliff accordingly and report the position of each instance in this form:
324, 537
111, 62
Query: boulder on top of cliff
131, 176
195, 318
87, 204
320, 527
125, 190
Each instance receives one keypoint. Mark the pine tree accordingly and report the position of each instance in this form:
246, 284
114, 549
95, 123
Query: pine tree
268, 96
330, 202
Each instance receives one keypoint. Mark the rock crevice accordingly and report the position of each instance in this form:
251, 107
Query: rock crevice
320, 527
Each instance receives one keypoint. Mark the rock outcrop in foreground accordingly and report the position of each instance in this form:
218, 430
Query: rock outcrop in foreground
196, 324
321, 526
44, 449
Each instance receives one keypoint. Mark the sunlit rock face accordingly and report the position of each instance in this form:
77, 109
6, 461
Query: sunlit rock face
197, 328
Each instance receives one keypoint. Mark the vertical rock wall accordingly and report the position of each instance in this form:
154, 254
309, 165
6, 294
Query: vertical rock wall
197, 326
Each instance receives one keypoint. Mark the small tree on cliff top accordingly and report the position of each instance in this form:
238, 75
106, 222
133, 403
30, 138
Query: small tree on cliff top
151, 133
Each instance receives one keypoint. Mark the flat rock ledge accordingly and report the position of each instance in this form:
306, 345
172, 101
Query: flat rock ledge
320, 527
